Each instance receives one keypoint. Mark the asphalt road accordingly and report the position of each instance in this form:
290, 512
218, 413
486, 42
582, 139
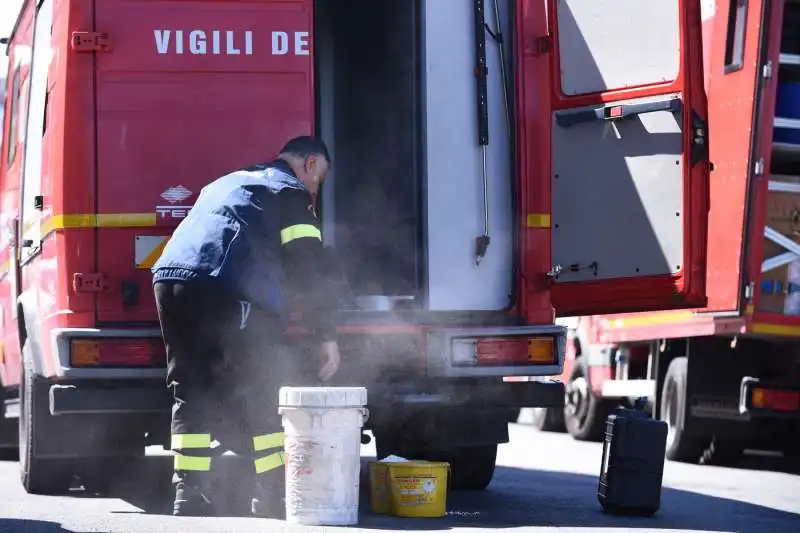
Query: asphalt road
546, 482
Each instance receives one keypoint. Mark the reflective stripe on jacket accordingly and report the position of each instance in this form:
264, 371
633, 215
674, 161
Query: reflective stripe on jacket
234, 233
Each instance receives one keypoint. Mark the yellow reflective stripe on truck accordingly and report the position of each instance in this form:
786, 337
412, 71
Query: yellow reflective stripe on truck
106, 220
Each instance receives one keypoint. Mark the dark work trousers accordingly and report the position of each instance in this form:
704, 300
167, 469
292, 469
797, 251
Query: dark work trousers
226, 361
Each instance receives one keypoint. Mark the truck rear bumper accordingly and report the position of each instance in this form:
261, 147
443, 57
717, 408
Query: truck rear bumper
480, 394
129, 399
86, 400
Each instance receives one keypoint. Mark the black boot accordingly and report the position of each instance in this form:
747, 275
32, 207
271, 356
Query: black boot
191, 497
268, 498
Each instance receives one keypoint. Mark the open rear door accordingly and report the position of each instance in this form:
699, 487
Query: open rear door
629, 166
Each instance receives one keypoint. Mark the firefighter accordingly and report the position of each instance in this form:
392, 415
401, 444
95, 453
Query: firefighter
223, 285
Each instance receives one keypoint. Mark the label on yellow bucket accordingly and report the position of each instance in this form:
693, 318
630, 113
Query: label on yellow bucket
418, 489
415, 490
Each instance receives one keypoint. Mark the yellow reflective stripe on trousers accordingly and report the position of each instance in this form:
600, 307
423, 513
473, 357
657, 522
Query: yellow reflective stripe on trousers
196, 464
266, 442
189, 441
270, 462
299, 231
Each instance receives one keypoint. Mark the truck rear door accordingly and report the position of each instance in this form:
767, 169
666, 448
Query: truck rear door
614, 153
185, 92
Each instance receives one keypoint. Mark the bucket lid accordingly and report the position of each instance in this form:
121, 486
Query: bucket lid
323, 397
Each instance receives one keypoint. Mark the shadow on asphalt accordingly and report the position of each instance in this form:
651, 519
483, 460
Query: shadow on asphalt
31, 526
516, 498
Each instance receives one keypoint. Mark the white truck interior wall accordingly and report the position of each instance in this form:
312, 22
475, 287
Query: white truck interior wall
601, 41
369, 99
454, 177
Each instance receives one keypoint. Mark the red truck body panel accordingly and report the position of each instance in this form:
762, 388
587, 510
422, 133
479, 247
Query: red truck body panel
741, 114
149, 100
214, 102
685, 286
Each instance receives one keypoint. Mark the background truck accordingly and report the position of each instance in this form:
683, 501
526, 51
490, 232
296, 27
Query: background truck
458, 207
725, 376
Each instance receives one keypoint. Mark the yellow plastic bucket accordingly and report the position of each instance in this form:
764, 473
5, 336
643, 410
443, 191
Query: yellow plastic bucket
379, 486
417, 489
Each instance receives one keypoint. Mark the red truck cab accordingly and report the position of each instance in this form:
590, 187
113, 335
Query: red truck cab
444, 139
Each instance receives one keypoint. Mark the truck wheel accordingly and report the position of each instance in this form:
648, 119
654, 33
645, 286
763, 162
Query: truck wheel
471, 467
38, 476
680, 447
548, 419
584, 413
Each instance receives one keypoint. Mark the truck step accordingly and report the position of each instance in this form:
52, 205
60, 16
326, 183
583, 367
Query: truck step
790, 59
628, 388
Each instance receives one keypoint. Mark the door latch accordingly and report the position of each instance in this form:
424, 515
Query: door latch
90, 41
88, 283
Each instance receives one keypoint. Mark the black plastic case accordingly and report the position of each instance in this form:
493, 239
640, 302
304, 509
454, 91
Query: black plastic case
633, 463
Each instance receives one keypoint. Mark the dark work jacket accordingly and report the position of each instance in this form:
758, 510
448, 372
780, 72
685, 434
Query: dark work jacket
255, 231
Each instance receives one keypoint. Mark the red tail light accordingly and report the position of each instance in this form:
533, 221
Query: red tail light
117, 353
512, 351
776, 400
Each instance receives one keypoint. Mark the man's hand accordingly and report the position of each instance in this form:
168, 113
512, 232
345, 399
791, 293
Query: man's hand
329, 353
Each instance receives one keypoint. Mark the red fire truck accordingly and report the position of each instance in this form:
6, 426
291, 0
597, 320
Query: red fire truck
491, 163
725, 376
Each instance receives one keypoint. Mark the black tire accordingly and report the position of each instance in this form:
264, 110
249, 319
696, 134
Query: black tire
471, 467
584, 413
38, 476
549, 419
680, 446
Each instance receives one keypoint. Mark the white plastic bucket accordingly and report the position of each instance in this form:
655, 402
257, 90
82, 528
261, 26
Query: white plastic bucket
323, 453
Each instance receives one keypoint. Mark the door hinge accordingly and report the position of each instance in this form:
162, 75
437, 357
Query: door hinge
758, 167
90, 41
537, 46
766, 70
88, 283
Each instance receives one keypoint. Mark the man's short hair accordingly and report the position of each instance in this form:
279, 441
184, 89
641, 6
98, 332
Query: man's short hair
306, 145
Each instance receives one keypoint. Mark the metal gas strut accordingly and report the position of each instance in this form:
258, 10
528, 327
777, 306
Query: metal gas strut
481, 75
497, 35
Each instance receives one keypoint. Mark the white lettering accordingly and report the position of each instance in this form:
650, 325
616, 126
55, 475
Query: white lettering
172, 211
215, 42
202, 42
197, 43
248, 43
179, 41
162, 41
301, 43
280, 43
231, 47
